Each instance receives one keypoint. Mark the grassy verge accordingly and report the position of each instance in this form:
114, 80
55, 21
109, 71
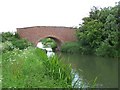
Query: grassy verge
70, 47
31, 68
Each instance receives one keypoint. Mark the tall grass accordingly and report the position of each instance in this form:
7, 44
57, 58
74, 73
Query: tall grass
32, 68
70, 47
58, 71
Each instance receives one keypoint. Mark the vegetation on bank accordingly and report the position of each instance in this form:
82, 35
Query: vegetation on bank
10, 41
24, 65
48, 42
29, 67
99, 33
70, 47
32, 68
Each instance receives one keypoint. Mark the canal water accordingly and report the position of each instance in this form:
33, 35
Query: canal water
90, 71
93, 71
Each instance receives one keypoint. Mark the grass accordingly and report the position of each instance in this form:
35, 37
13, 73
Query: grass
31, 68
71, 47
0, 70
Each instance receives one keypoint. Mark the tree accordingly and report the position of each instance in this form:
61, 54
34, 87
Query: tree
99, 34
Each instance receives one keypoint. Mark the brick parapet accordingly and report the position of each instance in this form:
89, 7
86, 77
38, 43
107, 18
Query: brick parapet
36, 33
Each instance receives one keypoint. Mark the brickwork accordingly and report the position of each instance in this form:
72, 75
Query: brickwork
36, 33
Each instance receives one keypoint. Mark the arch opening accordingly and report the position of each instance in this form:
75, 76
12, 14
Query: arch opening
51, 42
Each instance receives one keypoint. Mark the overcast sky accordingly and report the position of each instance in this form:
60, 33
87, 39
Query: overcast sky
25, 13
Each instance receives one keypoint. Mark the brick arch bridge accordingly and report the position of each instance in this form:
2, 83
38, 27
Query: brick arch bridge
59, 34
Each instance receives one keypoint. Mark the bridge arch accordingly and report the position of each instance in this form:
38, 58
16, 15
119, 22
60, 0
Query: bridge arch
58, 33
56, 39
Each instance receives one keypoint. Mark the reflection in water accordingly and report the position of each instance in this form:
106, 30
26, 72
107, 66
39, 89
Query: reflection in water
49, 51
77, 81
91, 68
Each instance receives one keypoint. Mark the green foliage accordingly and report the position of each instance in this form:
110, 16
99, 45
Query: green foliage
31, 68
11, 41
98, 34
70, 47
8, 36
57, 70
21, 43
106, 50
26, 66
6, 46
49, 42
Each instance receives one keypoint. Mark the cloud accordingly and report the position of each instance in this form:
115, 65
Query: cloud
24, 13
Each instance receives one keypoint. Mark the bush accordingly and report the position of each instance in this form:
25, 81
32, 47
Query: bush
106, 50
6, 36
6, 46
70, 47
11, 41
21, 44
99, 34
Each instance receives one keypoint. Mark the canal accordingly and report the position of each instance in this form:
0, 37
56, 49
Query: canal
92, 70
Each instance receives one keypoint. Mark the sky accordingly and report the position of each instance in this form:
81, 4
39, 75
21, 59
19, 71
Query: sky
26, 13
